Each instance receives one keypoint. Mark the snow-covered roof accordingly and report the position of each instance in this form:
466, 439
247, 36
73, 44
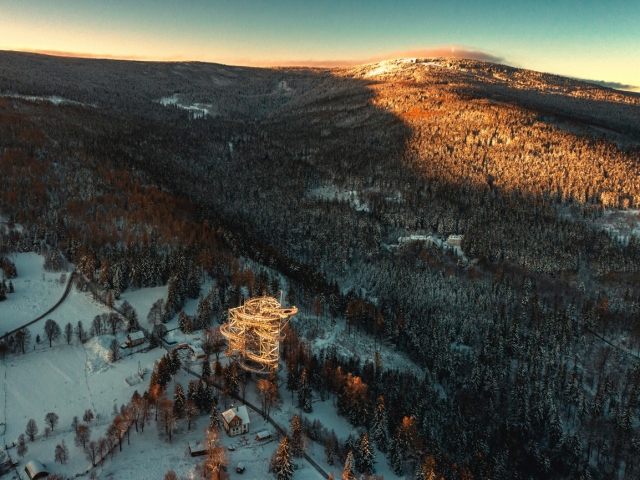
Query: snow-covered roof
241, 412
198, 446
197, 351
263, 434
34, 468
136, 335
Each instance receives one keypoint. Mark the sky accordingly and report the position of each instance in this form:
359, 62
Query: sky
593, 40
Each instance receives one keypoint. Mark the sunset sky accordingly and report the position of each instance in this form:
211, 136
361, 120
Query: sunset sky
585, 39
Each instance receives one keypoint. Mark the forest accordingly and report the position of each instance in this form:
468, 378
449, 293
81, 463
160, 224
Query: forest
529, 340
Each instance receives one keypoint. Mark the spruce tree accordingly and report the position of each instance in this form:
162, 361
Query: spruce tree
191, 390
282, 465
426, 470
179, 401
304, 392
206, 370
297, 441
292, 374
215, 418
380, 429
207, 398
202, 401
396, 456
348, 472
174, 361
365, 455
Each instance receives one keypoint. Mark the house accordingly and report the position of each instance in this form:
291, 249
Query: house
134, 339
197, 449
263, 435
455, 240
197, 351
236, 420
35, 470
240, 468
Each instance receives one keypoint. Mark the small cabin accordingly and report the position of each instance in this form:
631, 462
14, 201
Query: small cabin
36, 470
236, 421
134, 339
197, 351
240, 468
197, 449
455, 240
263, 435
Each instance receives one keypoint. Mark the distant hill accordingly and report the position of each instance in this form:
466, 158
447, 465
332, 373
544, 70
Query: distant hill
317, 172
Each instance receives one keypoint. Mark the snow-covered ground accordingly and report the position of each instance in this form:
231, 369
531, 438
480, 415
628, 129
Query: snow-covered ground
54, 99
333, 192
621, 223
35, 292
199, 110
69, 379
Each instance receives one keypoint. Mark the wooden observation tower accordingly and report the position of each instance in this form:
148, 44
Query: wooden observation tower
254, 333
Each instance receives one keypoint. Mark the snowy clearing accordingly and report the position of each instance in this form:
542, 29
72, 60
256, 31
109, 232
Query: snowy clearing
199, 110
54, 99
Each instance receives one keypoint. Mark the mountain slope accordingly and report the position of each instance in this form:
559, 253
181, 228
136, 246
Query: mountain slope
318, 172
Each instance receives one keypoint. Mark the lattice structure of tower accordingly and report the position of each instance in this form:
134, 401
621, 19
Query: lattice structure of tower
254, 333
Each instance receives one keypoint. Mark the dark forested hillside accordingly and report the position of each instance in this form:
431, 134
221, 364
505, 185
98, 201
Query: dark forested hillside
528, 333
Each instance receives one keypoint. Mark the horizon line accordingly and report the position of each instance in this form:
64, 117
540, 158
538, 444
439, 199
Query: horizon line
457, 52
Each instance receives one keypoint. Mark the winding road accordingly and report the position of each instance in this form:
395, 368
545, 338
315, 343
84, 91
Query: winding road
48, 312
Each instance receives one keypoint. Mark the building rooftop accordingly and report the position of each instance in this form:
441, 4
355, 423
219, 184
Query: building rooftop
236, 412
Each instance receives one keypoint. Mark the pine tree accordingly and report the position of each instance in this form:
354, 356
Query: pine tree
282, 466
193, 282
396, 456
174, 361
214, 424
297, 441
365, 455
348, 472
132, 321
304, 392
206, 370
179, 401
207, 398
426, 471
202, 398
182, 322
292, 374
380, 429
191, 390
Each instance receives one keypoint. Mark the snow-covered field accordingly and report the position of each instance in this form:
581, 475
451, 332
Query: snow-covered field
54, 99
199, 110
69, 379
35, 292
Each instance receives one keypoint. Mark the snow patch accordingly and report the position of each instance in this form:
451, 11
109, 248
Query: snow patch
54, 99
199, 110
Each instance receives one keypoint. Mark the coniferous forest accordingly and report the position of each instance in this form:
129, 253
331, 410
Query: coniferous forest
342, 187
